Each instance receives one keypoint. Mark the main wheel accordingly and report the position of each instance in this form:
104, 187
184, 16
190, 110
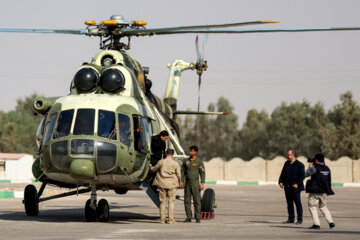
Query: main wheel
31, 201
90, 213
103, 211
208, 201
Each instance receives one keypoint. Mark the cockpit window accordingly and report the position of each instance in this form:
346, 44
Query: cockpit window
106, 125
64, 124
84, 123
145, 134
49, 127
125, 129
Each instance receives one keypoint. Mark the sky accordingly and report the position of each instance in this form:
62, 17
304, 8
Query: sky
253, 71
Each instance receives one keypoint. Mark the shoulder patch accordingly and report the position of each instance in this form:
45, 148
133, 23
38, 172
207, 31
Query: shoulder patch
187, 163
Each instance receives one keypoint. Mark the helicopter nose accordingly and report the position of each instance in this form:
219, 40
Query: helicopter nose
82, 169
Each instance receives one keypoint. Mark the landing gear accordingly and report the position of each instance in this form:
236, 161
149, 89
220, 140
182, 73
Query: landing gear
103, 211
208, 204
95, 211
31, 200
90, 212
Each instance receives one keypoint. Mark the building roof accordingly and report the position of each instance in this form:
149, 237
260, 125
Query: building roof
12, 156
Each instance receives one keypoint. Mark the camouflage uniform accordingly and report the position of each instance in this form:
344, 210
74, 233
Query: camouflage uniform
190, 172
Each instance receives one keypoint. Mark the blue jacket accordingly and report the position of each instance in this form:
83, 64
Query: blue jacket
320, 181
293, 174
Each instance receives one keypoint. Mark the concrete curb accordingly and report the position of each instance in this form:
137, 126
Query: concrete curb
20, 194
262, 183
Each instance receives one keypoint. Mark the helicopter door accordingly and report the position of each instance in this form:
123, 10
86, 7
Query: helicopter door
142, 134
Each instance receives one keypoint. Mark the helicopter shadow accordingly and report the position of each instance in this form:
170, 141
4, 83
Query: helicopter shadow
78, 215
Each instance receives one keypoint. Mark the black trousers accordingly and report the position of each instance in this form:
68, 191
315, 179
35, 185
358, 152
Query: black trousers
293, 196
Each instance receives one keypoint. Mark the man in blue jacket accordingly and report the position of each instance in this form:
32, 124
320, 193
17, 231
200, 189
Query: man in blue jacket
292, 180
319, 187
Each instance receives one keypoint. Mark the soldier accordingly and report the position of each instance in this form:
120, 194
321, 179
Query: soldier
168, 178
192, 169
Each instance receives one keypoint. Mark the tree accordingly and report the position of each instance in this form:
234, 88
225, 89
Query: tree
296, 126
253, 136
18, 128
346, 119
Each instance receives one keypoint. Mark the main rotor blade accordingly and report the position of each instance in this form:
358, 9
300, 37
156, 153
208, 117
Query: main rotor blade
264, 30
59, 31
151, 31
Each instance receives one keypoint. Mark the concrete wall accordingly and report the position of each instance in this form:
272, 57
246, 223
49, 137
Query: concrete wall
343, 170
19, 170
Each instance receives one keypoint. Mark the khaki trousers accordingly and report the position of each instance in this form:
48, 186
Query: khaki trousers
164, 194
315, 200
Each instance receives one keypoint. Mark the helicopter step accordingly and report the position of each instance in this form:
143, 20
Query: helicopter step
144, 185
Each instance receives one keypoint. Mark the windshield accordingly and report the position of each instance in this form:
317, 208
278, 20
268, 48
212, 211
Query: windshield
106, 125
84, 123
50, 127
64, 124
125, 129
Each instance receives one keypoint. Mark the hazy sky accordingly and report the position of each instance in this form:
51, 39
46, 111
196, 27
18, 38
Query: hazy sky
254, 71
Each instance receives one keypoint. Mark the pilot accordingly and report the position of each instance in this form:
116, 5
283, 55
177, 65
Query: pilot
168, 178
191, 170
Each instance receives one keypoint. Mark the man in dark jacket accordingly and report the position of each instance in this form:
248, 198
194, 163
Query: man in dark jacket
291, 179
318, 187
158, 147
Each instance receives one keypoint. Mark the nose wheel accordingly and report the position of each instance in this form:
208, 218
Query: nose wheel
95, 211
100, 212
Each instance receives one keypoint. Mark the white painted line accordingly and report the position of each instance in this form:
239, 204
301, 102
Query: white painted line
18, 194
267, 183
351, 184
226, 182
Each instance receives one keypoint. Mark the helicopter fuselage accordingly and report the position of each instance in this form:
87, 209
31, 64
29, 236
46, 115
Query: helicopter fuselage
101, 133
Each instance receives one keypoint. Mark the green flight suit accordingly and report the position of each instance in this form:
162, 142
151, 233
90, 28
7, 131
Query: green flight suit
191, 171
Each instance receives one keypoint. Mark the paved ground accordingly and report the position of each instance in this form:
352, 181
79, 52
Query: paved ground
244, 212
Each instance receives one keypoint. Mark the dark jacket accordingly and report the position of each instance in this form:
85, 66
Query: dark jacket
320, 181
157, 149
293, 174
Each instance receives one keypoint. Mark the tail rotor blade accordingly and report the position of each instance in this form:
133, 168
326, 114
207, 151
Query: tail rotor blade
203, 46
197, 49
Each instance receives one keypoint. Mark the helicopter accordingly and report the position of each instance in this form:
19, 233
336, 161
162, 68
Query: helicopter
90, 140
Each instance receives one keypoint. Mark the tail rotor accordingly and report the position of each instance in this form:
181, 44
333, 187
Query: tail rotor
201, 63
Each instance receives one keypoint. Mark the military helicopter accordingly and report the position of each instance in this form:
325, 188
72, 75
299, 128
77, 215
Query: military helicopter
98, 137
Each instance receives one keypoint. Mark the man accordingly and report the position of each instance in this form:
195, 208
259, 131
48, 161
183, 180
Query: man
168, 178
192, 169
291, 179
158, 147
318, 187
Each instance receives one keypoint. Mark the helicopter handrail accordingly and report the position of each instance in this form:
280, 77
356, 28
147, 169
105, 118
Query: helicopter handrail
172, 137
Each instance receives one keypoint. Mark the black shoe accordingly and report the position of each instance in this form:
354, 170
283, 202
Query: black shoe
288, 221
298, 222
187, 220
331, 225
198, 220
314, 227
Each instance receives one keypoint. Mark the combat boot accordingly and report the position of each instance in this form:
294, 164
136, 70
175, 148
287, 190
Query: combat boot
171, 221
163, 221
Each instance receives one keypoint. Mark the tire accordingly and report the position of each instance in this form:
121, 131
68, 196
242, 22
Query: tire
90, 213
102, 211
31, 201
208, 201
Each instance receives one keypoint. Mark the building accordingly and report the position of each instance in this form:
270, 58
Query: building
16, 167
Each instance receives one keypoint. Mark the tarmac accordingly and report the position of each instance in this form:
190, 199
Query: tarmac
243, 212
